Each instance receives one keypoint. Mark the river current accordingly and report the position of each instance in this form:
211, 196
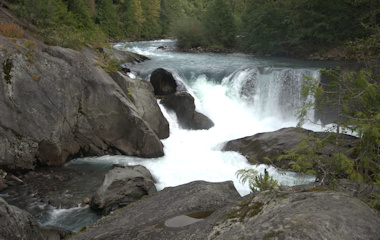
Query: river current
242, 94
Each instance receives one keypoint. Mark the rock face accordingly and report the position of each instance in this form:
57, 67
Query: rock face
58, 104
163, 82
17, 224
146, 218
182, 103
301, 212
122, 186
274, 144
141, 93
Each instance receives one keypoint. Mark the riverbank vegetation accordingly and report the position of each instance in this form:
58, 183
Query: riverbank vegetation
289, 27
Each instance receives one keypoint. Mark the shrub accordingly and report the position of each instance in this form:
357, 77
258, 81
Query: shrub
11, 30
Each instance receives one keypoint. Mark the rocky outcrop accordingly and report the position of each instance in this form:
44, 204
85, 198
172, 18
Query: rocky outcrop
163, 82
58, 104
121, 186
146, 218
55, 233
298, 213
182, 103
201, 210
17, 224
274, 144
141, 93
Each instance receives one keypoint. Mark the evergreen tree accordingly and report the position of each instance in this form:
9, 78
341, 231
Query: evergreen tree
133, 18
107, 18
219, 23
151, 9
81, 13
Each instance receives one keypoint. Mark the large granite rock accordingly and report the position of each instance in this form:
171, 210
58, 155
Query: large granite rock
182, 103
274, 144
121, 186
17, 224
301, 212
146, 219
298, 213
141, 93
58, 104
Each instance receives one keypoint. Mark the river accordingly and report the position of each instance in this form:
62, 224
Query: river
242, 94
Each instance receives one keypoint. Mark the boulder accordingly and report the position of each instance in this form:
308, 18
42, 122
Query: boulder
57, 104
17, 224
163, 82
141, 93
55, 233
298, 213
182, 103
146, 218
274, 144
201, 210
121, 186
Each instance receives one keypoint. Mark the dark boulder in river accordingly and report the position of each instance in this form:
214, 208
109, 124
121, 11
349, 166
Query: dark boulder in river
202, 210
163, 82
274, 144
57, 104
121, 186
182, 103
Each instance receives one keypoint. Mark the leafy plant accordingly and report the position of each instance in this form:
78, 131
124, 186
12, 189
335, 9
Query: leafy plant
260, 182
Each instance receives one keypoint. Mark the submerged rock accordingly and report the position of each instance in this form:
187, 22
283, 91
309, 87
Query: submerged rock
182, 103
121, 186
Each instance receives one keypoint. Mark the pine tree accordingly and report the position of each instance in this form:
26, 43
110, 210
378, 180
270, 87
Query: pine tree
107, 18
133, 18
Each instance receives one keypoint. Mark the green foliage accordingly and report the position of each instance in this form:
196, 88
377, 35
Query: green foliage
133, 18
30, 45
107, 18
262, 182
189, 33
220, 24
301, 26
108, 62
355, 98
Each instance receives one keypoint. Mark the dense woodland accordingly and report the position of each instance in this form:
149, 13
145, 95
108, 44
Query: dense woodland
286, 27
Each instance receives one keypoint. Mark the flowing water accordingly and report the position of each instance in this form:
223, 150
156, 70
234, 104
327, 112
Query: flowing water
242, 94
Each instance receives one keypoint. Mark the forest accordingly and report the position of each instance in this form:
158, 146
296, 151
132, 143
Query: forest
286, 27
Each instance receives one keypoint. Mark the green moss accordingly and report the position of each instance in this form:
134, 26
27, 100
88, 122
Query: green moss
7, 68
243, 209
273, 234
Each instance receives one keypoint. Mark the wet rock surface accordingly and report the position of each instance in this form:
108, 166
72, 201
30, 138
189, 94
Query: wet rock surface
47, 188
182, 103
